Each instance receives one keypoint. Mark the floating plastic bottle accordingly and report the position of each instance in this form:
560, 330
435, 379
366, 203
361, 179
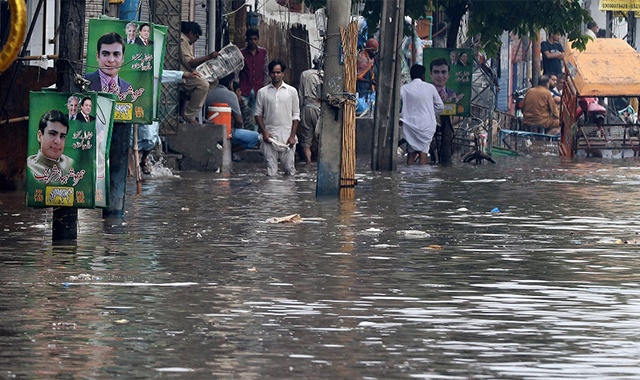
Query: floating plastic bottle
229, 60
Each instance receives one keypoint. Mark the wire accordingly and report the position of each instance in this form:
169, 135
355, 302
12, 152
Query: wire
235, 11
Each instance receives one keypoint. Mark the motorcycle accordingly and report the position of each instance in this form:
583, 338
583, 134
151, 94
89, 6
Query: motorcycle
518, 98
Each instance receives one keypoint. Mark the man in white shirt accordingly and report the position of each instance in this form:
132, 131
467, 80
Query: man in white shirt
420, 105
277, 115
592, 29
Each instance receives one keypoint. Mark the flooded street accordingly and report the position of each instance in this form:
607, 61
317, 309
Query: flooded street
527, 269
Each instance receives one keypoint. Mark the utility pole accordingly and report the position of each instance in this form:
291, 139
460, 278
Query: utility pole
385, 139
631, 28
536, 68
65, 219
331, 117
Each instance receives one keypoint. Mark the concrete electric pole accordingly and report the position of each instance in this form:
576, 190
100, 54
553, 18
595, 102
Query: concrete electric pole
331, 117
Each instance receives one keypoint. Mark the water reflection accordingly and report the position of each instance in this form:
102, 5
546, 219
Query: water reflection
193, 282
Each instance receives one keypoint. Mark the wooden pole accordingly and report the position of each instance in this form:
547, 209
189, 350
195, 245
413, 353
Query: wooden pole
65, 219
388, 89
136, 160
14, 120
348, 166
329, 148
536, 64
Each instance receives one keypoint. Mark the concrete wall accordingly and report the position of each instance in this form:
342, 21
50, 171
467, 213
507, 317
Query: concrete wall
197, 143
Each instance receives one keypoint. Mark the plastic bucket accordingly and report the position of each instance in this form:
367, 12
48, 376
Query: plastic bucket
220, 113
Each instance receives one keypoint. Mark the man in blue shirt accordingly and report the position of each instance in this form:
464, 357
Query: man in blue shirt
552, 55
240, 138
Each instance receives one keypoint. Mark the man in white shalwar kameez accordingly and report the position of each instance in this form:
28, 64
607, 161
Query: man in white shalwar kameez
420, 105
277, 115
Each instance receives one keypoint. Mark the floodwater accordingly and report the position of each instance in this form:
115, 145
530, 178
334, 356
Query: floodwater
415, 278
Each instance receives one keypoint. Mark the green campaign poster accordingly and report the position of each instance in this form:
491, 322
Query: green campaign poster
121, 59
68, 145
450, 70
159, 33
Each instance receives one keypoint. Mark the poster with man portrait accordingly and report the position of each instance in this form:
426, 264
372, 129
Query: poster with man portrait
122, 60
68, 145
451, 70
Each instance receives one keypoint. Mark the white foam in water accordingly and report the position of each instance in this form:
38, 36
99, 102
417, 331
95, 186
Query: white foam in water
174, 369
160, 171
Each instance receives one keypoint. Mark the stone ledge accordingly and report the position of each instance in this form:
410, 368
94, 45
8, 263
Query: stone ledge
197, 144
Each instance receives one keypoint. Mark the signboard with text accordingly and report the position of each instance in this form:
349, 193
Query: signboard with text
620, 5
123, 57
450, 71
68, 145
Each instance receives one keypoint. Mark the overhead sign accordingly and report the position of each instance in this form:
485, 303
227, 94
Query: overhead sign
620, 5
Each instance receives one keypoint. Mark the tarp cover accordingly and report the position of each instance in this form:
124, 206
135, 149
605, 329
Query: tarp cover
607, 67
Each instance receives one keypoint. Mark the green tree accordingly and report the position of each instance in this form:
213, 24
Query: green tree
491, 18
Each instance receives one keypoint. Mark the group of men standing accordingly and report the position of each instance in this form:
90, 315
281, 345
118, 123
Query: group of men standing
273, 104
540, 104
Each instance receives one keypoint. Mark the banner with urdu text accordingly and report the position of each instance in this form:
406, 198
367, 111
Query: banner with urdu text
68, 145
123, 57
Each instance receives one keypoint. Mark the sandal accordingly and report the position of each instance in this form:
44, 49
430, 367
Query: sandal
145, 169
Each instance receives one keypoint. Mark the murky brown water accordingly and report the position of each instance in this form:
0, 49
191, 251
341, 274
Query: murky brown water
194, 284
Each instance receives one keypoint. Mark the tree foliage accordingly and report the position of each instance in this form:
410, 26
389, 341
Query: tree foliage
524, 18
491, 18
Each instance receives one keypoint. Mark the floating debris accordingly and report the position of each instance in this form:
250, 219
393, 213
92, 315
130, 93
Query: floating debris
252, 269
433, 246
84, 277
413, 234
294, 218
385, 246
174, 369
63, 325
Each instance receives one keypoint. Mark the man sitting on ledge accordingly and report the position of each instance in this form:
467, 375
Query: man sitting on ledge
539, 110
196, 87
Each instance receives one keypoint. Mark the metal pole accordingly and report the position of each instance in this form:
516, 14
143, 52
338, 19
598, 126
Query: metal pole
212, 26
118, 168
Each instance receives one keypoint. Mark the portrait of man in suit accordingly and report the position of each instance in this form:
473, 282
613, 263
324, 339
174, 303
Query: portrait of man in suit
130, 30
110, 57
439, 77
144, 32
85, 110
52, 134
72, 106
